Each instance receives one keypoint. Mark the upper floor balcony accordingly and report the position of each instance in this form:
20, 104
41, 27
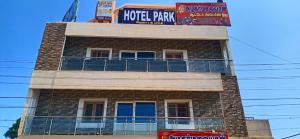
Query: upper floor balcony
145, 65
132, 57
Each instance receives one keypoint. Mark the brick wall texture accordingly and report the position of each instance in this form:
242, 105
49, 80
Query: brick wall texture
51, 47
232, 106
197, 49
65, 102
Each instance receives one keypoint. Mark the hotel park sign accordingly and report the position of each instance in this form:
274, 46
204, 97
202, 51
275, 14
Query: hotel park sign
146, 16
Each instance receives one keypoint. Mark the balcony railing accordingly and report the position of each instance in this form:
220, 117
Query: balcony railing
145, 65
145, 126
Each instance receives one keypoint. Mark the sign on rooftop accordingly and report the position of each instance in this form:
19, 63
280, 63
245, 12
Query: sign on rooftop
146, 16
104, 9
202, 14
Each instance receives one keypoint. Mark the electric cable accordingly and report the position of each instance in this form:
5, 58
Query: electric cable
258, 49
298, 134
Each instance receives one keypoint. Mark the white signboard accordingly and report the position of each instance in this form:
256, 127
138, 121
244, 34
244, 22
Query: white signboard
104, 9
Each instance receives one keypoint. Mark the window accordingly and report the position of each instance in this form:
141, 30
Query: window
91, 113
124, 112
175, 54
135, 117
127, 55
145, 55
179, 114
176, 60
144, 112
99, 52
124, 54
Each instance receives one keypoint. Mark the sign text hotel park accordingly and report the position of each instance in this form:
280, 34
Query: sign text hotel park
147, 16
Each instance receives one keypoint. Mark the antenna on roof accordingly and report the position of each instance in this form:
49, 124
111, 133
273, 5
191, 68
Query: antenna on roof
220, 1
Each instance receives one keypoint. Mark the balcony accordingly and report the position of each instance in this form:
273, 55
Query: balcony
131, 74
131, 126
144, 65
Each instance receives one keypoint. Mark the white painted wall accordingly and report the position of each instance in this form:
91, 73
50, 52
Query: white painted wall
164, 81
147, 31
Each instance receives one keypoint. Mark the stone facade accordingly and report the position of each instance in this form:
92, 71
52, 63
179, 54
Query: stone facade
197, 49
225, 104
65, 102
233, 109
52, 46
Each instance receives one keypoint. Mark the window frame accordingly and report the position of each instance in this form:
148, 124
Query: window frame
191, 112
185, 54
89, 52
80, 112
135, 53
134, 108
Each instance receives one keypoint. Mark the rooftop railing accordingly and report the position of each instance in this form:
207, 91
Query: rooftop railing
145, 65
145, 126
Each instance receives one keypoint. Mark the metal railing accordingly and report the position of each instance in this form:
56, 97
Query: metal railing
145, 65
145, 126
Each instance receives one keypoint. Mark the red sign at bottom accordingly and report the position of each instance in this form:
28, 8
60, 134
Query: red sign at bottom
165, 134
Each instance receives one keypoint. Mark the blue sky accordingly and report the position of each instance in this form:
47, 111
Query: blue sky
271, 25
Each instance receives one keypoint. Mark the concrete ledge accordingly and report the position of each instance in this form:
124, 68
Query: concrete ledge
147, 31
98, 80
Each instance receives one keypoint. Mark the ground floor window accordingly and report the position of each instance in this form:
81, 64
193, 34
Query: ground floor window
179, 114
91, 113
137, 112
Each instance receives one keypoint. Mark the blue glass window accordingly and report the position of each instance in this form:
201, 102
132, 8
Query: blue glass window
145, 112
128, 55
145, 55
124, 113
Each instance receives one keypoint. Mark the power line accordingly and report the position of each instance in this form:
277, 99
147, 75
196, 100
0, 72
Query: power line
291, 136
238, 64
272, 105
259, 49
14, 97
16, 68
241, 70
271, 89
252, 99
248, 89
242, 78
267, 64
259, 99
281, 115
286, 69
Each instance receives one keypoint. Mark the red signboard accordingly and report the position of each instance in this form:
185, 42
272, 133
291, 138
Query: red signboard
165, 134
202, 14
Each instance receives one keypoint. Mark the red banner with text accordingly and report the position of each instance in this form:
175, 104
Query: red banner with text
165, 134
202, 14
